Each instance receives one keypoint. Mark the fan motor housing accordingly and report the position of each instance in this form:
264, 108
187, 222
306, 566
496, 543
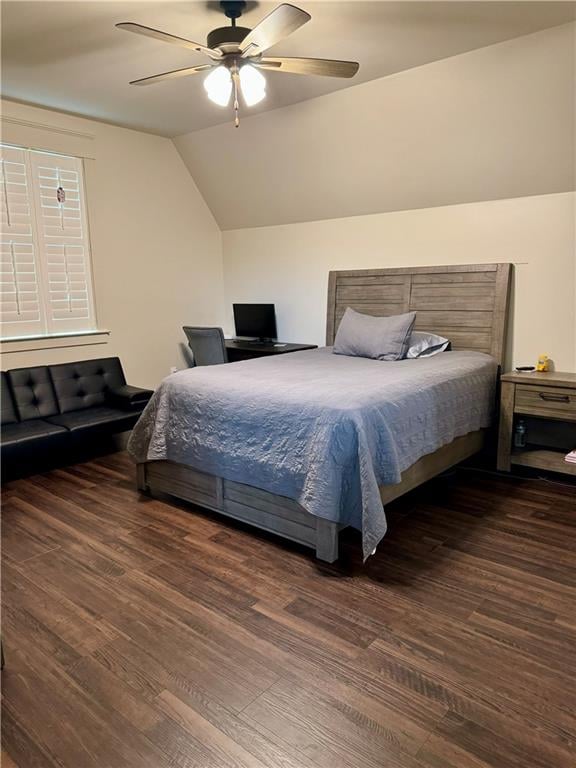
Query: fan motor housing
226, 36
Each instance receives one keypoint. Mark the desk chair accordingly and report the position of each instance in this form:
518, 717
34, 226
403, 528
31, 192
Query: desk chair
207, 345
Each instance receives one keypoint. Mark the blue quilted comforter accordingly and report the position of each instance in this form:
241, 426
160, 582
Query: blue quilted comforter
323, 429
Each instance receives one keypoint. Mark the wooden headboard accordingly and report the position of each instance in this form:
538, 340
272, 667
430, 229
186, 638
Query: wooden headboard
468, 304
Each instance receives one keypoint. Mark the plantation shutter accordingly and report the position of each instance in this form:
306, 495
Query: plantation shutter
63, 243
21, 308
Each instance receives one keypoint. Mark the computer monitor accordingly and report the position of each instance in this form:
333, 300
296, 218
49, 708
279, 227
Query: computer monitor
255, 320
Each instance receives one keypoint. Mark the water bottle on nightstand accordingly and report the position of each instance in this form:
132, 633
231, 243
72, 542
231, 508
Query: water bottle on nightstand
520, 435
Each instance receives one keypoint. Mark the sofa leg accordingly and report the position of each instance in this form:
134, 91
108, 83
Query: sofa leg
141, 483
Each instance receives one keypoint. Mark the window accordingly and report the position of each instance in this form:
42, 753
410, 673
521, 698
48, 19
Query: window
45, 272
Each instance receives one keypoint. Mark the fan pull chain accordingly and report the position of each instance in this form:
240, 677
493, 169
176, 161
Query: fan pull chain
236, 105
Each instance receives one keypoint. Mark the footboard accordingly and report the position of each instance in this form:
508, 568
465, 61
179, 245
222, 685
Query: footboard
278, 514
267, 511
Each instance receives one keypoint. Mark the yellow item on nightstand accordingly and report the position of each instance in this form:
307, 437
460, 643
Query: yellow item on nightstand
542, 364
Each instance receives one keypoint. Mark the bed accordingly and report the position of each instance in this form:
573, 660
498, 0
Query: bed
325, 440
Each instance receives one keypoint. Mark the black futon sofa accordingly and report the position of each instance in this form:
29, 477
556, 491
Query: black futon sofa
54, 412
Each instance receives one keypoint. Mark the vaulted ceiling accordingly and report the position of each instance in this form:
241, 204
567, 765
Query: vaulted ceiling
494, 123
69, 56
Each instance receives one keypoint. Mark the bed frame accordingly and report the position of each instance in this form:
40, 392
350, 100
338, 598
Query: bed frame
468, 304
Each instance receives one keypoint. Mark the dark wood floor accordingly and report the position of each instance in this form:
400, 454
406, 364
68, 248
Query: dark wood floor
140, 634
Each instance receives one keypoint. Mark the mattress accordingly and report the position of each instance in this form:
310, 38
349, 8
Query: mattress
325, 430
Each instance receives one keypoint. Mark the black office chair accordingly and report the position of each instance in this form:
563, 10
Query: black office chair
207, 345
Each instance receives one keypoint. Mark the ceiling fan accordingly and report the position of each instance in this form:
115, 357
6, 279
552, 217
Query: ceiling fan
236, 55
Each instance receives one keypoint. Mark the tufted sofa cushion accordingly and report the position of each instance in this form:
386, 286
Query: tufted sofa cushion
24, 432
9, 415
95, 419
33, 392
86, 383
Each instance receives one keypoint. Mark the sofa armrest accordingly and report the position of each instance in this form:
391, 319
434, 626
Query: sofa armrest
129, 398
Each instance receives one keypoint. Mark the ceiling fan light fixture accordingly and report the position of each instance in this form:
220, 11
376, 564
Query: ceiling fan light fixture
238, 54
218, 86
252, 84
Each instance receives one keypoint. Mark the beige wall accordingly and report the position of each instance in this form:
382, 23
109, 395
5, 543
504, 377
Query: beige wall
465, 160
289, 264
157, 254
494, 123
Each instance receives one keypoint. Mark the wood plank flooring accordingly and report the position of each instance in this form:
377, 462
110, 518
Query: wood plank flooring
142, 634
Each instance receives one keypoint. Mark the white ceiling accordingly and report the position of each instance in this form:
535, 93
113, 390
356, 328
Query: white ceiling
69, 56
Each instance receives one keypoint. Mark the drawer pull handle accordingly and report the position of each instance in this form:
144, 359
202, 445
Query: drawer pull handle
555, 398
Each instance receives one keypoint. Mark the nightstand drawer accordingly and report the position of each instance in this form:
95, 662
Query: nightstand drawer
549, 402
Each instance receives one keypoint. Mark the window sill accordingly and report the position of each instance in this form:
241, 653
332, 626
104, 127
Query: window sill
31, 343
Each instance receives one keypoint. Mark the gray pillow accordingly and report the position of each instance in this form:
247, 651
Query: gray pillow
426, 344
380, 338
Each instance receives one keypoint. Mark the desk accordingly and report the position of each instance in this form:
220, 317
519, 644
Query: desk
244, 350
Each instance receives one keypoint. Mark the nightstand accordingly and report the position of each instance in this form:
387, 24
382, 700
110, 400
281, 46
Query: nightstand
546, 402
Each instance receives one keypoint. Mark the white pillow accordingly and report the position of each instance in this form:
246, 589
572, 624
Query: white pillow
424, 344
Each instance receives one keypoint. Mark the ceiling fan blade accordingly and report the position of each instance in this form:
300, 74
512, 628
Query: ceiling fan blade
325, 67
172, 75
139, 29
280, 23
